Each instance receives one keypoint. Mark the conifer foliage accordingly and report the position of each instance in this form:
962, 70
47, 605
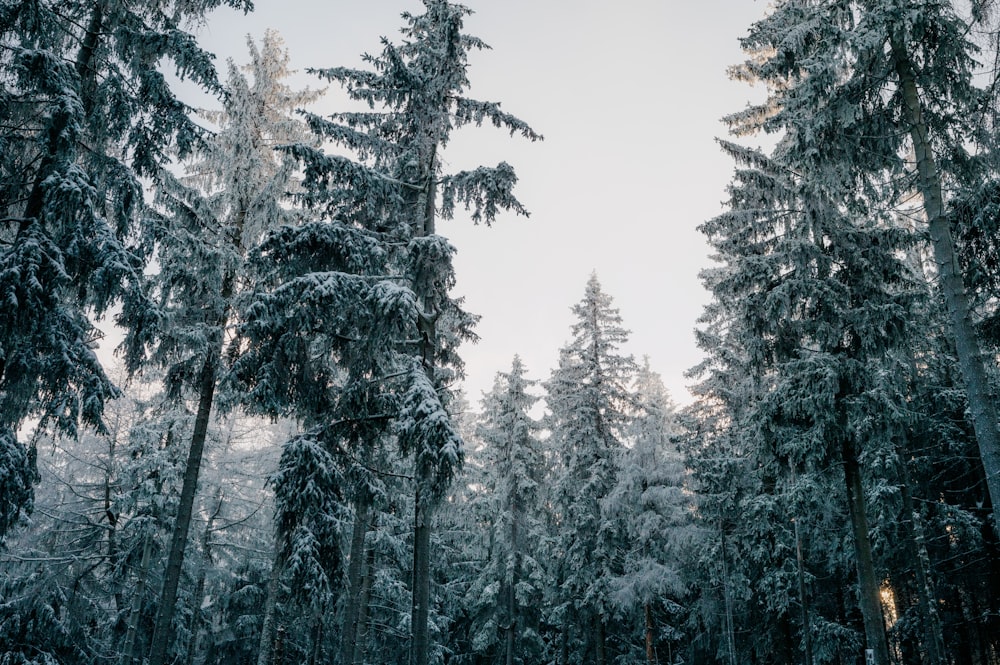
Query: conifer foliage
353, 330
86, 113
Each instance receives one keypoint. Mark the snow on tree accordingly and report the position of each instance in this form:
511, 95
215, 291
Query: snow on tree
356, 328
87, 113
813, 288
233, 194
589, 416
882, 97
505, 591
653, 505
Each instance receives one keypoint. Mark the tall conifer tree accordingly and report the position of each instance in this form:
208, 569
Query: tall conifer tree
590, 411
87, 113
357, 334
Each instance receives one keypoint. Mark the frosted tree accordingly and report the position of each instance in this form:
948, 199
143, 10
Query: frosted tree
356, 333
505, 593
654, 508
87, 113
819, 299
231, 196
589, 415
883, 94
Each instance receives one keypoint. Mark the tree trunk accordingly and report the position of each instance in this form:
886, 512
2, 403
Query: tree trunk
270, 609
647, 611
349, 631
361, 639
600, 648
933, 644
729, 627
420, 644
868, 586
800, 569
970, 357
175, 560
131, 651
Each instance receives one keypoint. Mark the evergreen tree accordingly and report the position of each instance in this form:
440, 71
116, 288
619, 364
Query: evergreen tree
505, 594
881, 96
356, 333
590, 414
652, 505
231, 197
86, 114
819, 300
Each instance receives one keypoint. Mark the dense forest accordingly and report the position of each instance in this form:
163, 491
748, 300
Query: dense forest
278, 465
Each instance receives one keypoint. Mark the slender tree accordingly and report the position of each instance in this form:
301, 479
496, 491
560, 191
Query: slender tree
230, 198
87, 113
504, 594
387, 354
590, 411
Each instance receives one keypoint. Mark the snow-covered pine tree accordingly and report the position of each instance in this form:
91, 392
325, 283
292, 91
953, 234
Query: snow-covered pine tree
654, 507
356, 333
590, 411
504, 597
86, 113
884, 95
231, 197
816, 294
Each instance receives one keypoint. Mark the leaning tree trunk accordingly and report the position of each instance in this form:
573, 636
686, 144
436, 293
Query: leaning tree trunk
970, 356
175, 559
868, 587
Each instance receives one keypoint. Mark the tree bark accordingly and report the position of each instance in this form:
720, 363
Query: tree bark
349, 631
970, 357
647, 611
361, 639
420, 643
868, 586
131, 651
270, 609
175, 560
933, 644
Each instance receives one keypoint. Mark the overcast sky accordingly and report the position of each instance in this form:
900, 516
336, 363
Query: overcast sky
629, 97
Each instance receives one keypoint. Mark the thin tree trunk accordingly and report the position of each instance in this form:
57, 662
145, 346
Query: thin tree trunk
800, 567
270, 609
600, 648
199, 593
361, 640
131, 651
175, 560
970, 357
349, 631
420, 614
933, 643
420, 644
510, 597
868, 587
647, 611
730, 628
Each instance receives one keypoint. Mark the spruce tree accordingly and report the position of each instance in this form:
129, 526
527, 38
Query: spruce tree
654, 508
504, 594
232, 195
86, 113
355, 332
881, 96
589, 415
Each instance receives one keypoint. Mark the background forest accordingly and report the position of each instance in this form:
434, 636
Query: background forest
279, 466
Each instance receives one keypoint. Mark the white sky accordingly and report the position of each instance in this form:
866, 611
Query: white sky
629, 96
